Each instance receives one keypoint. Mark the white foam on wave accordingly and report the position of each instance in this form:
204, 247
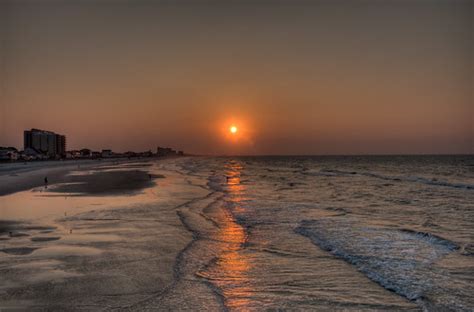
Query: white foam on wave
399, 260
414, 179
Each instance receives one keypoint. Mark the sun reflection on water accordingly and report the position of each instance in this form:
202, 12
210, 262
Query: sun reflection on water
233, 264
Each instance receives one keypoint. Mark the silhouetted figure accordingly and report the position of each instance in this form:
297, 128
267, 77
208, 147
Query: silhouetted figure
45, 182
10, 234
149, 176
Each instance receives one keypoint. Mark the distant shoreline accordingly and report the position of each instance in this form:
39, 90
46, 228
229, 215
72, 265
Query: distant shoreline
16, 176
340, 155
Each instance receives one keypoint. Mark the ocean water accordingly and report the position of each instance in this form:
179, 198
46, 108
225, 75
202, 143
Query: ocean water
328, 233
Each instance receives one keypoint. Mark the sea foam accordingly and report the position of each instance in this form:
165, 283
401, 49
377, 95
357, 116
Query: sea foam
400, 260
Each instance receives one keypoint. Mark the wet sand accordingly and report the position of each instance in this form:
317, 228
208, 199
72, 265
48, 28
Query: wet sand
107, 182
15, 177
96, 238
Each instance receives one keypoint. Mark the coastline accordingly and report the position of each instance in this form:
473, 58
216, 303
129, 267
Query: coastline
18, 176
103, 251
15, 177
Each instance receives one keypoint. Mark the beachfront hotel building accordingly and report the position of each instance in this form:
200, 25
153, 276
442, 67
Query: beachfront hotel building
45, 142
165, 151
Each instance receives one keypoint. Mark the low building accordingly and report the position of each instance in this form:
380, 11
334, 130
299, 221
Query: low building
85, 153
146, 154
106, 153
8, 154
73, 154
165, 151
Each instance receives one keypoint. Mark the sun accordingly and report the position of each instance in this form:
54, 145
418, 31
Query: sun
233, 129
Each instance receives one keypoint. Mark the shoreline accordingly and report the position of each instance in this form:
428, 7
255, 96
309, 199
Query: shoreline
16, 177
19, 178
99, 256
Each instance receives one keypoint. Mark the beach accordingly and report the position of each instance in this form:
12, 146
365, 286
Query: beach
107, 241
239, 234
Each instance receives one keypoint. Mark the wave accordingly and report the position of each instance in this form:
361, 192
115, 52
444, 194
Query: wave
215, 183
415, 179
402, 261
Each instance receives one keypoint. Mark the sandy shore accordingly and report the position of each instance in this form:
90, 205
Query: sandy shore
101, 236
15, 177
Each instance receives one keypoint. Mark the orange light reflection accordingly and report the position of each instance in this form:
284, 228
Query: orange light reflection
233, 262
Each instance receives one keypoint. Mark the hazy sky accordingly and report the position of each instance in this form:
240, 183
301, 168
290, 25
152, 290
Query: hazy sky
296, 77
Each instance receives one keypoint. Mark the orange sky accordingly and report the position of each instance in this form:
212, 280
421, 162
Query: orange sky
297, 77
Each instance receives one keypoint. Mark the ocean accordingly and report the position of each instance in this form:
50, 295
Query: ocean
331, 233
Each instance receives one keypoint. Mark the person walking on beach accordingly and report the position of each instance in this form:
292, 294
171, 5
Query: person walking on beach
45, 182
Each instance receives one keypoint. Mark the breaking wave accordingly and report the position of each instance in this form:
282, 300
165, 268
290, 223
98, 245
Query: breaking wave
415, 179
399, 260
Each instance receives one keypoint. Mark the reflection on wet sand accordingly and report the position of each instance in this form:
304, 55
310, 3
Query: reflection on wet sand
232, 265
67, 251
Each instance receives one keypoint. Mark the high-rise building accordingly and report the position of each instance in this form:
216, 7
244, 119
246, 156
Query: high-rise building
45, 142
61, 145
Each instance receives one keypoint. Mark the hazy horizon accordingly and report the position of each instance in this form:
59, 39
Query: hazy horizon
296, 77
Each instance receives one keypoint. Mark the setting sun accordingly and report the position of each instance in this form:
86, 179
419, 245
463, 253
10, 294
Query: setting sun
233, 129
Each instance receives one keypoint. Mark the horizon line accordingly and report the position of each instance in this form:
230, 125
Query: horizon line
332, 155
